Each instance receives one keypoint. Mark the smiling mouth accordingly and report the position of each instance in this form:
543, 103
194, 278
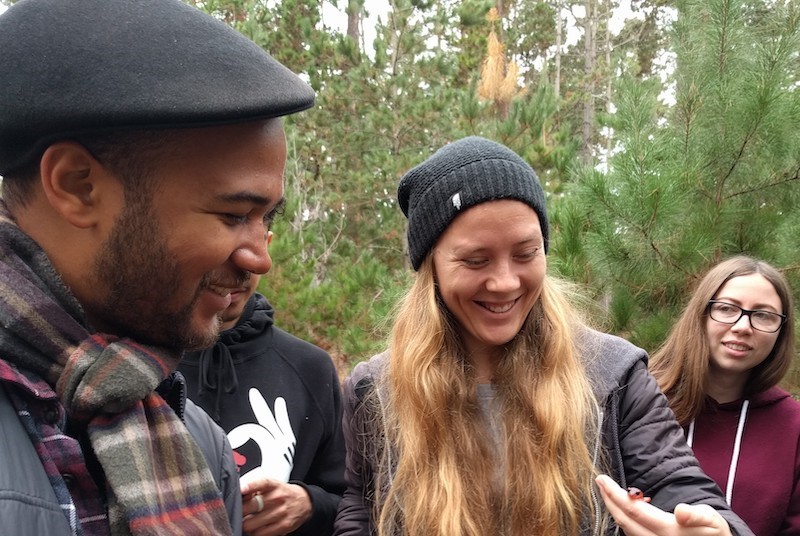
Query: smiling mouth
240, 290
737, 346
498, 308
231, 287
221, 291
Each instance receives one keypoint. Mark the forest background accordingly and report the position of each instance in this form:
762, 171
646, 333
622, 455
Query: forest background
664, 145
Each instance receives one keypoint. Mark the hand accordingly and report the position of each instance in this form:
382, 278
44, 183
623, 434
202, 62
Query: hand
273, 508
640, 518
273, 434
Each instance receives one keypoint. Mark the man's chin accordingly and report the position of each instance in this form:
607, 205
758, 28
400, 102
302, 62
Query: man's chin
203, 338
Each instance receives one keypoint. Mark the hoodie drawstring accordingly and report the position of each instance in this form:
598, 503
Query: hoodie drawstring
219, 379
737, 446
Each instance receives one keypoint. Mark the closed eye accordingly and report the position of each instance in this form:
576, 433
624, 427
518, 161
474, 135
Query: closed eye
528, 255
234, 219
474, 262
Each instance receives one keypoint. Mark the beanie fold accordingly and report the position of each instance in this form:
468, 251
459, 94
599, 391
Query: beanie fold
457, 177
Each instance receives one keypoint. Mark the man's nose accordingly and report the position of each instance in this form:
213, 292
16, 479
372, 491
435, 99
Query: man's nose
253, 254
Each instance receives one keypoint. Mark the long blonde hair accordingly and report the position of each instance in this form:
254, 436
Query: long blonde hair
438, 473
681, 364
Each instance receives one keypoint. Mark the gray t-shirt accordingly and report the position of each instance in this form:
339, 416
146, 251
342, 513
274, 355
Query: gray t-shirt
487, 400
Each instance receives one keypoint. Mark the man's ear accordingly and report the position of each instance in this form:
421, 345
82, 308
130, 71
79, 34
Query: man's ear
72, 182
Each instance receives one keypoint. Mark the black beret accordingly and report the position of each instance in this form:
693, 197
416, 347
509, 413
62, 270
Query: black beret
73, 66
458, 176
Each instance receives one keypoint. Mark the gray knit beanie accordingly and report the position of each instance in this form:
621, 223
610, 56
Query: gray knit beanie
458, 176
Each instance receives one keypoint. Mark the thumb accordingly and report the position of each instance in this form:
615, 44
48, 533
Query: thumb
256, 480
700, 515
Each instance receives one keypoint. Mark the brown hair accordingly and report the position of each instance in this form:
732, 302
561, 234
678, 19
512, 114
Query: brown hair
681, 364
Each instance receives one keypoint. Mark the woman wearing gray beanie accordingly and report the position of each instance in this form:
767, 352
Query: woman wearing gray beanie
495, 411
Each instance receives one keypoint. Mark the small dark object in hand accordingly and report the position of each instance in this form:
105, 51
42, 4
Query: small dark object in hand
637, 495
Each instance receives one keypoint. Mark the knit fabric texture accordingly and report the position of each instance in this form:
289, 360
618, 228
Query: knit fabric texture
75, 66
459, 176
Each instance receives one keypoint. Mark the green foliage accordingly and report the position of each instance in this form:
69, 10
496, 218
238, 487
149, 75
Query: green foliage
532, 35
714, 176
568, 225
333, 312
622, 310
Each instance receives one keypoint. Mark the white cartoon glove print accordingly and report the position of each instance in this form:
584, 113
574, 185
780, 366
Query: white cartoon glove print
273, 434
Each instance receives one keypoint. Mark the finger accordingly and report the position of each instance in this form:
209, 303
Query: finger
634, 517
253, 504
268, 522
257, 481
282, 419
700, 515
264, 414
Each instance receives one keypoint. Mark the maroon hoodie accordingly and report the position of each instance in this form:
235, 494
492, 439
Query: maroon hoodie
765, 480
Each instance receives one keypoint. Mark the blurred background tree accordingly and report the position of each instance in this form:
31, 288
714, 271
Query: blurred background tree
663, 132
713, 175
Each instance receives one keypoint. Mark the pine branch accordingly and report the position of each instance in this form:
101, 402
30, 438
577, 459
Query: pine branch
643, 231
785, 180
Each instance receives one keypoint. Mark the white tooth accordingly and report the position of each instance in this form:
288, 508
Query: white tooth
734, 346
501, 309
218, 290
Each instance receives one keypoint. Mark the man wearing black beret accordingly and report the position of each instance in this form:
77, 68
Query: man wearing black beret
142, 156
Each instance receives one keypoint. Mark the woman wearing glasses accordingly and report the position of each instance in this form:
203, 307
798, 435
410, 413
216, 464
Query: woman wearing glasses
719, 368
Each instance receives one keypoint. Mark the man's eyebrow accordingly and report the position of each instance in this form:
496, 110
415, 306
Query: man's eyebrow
246, 197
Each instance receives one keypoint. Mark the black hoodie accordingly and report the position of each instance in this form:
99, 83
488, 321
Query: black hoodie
278, 399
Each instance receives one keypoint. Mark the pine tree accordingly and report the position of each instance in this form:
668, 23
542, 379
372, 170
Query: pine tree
715, 175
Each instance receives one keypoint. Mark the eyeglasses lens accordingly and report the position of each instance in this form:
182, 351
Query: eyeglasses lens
729, 313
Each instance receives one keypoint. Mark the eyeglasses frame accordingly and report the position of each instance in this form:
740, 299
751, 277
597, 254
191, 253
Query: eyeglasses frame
745, 312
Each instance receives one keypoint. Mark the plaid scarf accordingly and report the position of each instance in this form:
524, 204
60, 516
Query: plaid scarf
157, 478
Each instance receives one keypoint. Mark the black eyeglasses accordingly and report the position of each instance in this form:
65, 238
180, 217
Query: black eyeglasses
728, 313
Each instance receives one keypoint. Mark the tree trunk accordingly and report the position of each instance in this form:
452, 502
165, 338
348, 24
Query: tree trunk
589, 64
609, 71
354, 14
559, 27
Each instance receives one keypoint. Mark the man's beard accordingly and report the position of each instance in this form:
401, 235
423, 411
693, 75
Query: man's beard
141, 279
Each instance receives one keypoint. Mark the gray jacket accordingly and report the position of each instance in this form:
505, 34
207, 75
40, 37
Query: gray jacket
640, 439
28, 504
